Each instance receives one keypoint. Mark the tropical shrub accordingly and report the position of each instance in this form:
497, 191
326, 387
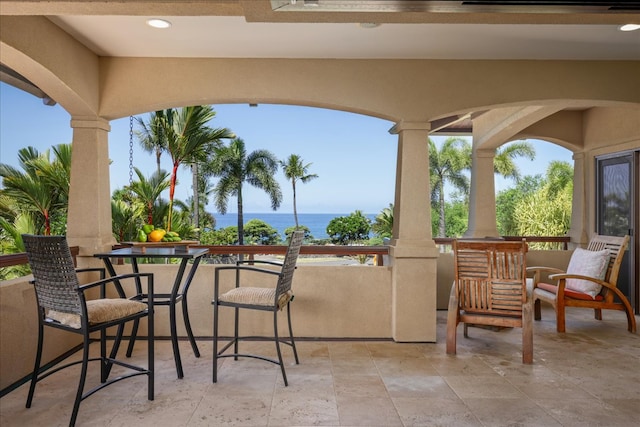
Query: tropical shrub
258, 232
344, 230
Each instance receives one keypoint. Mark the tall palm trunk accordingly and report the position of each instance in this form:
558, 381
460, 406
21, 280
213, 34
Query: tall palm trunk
172, 190
240, 219
196, 196
441, 225
295, 210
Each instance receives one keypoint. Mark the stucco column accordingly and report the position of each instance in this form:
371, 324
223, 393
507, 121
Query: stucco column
413, 252
482, 196
577, 231
89, 219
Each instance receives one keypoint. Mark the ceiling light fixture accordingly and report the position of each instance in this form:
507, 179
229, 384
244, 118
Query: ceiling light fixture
368, 25
630, 27
158, 23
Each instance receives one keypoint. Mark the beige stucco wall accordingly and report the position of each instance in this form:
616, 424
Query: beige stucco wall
330, 302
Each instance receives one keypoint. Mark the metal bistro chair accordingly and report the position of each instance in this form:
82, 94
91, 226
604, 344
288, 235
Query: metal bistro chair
62, 304
271, 299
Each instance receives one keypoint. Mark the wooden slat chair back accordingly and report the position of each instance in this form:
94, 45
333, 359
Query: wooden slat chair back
609, 297
490, 289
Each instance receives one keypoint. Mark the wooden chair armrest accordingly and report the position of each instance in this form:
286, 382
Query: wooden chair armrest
565, 276
543, 269
537, 272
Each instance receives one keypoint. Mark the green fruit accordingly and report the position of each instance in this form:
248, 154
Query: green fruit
147, 228
142, 236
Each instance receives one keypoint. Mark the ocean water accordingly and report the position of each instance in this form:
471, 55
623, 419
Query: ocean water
316, 222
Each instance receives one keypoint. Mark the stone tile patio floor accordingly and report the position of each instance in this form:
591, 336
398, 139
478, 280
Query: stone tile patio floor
589, 376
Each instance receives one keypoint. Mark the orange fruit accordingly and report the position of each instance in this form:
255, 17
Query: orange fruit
156, 235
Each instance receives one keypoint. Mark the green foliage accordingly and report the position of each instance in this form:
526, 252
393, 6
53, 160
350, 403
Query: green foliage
223, 236
541, 215
41, 188
447, 166
456, 219
126, 220
289, 231
344, 230
383, 225
259, 232
507, 200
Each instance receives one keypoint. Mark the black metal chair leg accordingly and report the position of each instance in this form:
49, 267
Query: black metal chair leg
215, 342
277, 340
36, 368
293, 343
83, 377
105, 370
132, 340
151, 352
235, 334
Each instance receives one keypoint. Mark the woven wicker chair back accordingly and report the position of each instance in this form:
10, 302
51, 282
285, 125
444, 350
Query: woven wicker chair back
289, 264
55, 279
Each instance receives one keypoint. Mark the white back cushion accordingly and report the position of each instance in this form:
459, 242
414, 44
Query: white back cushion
587, 263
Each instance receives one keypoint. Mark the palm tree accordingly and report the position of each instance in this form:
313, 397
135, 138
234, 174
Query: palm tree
149, 190
559, 176
125, 219
295, 170
187, 139
234, 167
383, 225
41, 189
447, 165
503, 162
151, 135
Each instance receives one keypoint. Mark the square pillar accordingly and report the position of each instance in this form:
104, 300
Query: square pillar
482, 195
89, 218
413, 253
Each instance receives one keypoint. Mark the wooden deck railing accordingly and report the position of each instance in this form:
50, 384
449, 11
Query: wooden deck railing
329, 250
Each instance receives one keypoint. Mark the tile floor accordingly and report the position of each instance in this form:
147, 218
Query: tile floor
589, 376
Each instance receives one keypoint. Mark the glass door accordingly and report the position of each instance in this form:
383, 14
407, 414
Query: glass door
617, 212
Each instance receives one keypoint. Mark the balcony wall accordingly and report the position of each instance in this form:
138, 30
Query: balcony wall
330, 302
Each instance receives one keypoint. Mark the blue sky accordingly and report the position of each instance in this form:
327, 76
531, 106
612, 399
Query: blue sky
353, 155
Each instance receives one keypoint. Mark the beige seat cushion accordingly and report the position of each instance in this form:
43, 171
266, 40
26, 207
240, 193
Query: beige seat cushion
256, 296
100, 311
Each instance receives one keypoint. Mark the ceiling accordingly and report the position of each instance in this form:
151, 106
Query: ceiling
405, 29
416, 29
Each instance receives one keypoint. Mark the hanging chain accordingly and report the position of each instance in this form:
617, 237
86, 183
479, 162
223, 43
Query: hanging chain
130, 150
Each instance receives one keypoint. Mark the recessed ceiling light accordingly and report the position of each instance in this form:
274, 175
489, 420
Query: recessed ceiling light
630, 27
158, 23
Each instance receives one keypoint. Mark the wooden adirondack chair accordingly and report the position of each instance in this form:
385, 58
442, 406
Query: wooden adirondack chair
490, 289
597, 293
